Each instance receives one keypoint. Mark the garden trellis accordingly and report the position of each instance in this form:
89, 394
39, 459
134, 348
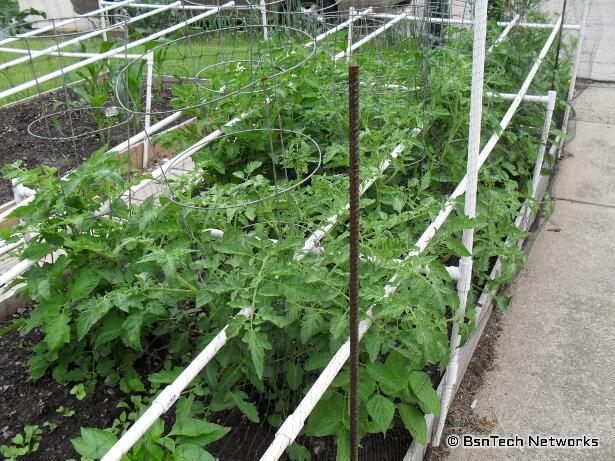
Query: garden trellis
362, 35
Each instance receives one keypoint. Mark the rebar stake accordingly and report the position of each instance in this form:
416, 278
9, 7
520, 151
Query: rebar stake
353, 288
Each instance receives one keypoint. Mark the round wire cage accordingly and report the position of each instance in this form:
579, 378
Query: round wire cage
211, 65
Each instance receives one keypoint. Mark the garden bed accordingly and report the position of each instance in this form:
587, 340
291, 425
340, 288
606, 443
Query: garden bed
136, 297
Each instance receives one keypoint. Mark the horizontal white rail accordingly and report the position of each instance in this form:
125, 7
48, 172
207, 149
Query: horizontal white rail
122, 49
543, 99
70, 54
56, 25
31, 54
468, 22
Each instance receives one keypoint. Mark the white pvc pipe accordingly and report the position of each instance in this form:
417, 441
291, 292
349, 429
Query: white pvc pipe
349, 37
466, 262
367, 38
169, 395
543, 99
339, 27
8, 247
263, 8
148, 106
147, 132
465, 22
44, 52
150, 6
543, 141
68, 54
504, 33
79, 65
103, 22
34, 32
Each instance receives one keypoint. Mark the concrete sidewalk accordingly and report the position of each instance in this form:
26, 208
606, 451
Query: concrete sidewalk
555, 360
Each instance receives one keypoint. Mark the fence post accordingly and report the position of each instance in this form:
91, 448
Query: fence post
465, 264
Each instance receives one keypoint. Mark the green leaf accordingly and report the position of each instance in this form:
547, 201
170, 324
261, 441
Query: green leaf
372, 342
257, 344
381, 410
36, 251
132, 331
327, 417
342, 444
192, 453
425, 393
293, 373
247, 408
83, 284
57, 329
309, 325
298, 452
390, 376
414, 420
94, 311
110, 329
193, 427
456, 247
94, 443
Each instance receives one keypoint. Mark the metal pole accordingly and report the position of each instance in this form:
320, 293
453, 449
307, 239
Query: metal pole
353, 173
575, 72
559, 46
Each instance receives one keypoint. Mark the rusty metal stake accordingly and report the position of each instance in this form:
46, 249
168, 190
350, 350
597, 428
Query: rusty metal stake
353, 173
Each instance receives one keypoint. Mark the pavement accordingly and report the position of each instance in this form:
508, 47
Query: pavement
555, 368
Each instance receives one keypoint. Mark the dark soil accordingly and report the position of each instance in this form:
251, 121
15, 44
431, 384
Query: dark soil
17, 144
26, 402
461, 417
23, 402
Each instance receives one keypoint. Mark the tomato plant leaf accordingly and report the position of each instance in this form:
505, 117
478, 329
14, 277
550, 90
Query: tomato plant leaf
414, 420
94, 443
247, 408
94, 310
132, 330
83, 284
425, 393
188, 452
381, 410
57, 329
257, 344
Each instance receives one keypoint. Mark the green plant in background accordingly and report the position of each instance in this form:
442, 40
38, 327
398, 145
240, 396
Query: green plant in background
12, 14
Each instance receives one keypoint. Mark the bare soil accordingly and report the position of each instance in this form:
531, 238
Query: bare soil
23, 402
462, 419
